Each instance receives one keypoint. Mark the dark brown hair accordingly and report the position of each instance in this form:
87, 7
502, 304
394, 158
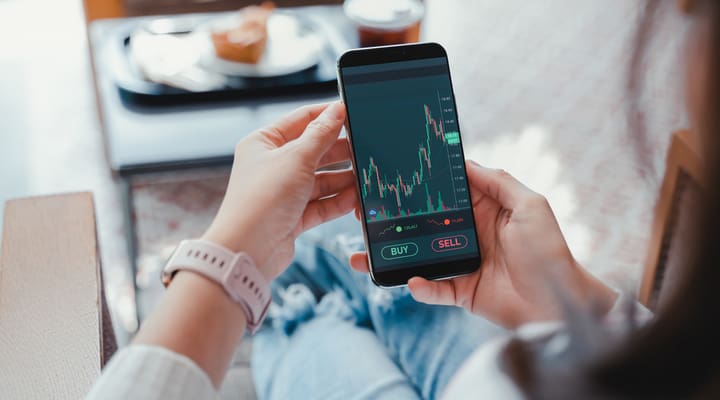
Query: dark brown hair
677, 354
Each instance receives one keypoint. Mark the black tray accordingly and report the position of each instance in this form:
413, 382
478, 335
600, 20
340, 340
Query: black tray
135, 90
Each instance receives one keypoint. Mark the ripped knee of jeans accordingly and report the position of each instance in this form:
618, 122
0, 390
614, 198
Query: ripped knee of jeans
299, 305
384, 299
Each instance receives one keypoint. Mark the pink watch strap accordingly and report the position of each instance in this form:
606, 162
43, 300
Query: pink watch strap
235, 272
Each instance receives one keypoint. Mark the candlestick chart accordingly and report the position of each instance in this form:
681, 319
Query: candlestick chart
413, 164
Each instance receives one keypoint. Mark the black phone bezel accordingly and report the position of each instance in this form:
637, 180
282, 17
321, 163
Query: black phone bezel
387, 54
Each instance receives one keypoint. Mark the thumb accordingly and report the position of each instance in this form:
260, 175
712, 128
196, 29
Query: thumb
497, 184
432, 292
322, 132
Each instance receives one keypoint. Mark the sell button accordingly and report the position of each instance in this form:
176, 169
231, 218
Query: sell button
401, 250
449, 243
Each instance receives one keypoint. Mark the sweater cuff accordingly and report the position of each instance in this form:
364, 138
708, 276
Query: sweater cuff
152, 372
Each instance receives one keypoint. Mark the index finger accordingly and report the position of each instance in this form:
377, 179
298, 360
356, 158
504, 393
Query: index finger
291, 126
359, 262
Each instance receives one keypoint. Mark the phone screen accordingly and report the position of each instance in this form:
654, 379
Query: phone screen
409, 163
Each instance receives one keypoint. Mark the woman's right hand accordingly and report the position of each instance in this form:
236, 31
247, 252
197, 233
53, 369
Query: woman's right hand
526, 260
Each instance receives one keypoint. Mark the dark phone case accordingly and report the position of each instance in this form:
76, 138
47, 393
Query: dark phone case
385, 54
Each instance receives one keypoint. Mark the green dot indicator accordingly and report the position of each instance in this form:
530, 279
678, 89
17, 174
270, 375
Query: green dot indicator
398, 229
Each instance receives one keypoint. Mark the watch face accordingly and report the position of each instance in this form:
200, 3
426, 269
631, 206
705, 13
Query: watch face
168, 273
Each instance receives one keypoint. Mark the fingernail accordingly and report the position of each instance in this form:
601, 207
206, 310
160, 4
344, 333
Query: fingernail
336, 110
475, 164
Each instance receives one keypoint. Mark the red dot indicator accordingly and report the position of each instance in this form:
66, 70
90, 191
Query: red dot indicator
447, 222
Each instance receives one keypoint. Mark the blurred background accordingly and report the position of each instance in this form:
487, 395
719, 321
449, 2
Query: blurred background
141, 102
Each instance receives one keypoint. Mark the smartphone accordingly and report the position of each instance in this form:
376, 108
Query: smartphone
408, 159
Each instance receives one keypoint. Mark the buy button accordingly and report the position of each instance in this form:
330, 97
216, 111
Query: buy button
401, 250
449, 243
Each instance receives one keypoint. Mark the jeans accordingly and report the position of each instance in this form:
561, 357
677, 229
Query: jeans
332, 334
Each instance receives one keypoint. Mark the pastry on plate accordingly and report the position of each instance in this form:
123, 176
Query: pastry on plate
244, 42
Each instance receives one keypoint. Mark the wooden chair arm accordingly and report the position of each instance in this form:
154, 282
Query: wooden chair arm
683, 171
685, 5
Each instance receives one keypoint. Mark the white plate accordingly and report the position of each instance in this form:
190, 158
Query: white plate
290, 47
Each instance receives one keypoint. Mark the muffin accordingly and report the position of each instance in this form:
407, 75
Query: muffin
245, 42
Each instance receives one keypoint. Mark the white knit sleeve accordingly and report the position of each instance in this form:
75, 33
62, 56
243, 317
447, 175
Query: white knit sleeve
152, 372
481, 375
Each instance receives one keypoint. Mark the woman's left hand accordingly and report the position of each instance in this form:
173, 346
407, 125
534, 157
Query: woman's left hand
275, 193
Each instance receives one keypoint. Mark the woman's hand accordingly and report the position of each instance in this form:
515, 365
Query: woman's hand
275, 193
526, 260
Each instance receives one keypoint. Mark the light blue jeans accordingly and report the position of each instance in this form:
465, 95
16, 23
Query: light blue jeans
332, 334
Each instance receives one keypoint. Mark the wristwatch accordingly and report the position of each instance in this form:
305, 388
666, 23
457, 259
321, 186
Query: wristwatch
235, 272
